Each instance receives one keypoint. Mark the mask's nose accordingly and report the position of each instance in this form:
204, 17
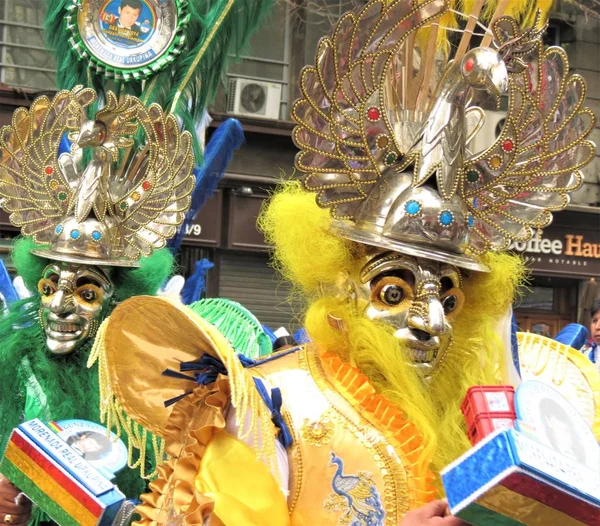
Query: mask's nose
426, 319
62, 303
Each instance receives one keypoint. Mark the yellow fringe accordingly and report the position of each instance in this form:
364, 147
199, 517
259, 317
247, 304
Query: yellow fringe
252, 416
114, 417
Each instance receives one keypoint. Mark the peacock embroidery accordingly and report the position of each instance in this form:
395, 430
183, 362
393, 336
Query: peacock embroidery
354, 495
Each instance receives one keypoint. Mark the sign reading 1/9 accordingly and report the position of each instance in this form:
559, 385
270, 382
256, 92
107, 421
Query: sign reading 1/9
193, 230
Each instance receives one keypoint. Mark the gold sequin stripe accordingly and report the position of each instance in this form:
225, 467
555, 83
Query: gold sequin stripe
297, 479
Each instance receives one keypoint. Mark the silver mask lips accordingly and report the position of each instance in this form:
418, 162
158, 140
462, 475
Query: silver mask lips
425, 348
63, 334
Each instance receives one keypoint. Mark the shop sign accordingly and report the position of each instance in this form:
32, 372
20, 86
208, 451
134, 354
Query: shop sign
563, 251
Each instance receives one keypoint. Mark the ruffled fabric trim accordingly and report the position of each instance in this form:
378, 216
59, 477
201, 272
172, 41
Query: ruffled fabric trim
387, 419
194, 420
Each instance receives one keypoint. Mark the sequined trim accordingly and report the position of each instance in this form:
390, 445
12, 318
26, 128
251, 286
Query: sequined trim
318, 433
404, 488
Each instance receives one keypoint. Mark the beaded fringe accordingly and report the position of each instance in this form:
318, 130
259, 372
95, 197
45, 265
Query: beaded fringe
115, 419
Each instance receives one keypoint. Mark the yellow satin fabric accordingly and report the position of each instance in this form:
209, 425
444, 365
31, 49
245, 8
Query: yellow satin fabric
244, 490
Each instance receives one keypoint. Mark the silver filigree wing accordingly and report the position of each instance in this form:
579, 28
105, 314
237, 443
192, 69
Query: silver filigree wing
157, 191
34, 188
512, 187
344, 132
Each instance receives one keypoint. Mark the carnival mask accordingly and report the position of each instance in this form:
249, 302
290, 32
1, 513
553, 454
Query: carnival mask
420, 298
74, 299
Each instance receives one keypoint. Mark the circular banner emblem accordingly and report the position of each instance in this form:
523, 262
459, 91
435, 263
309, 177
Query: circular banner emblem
92, 442
554, 421
127, 39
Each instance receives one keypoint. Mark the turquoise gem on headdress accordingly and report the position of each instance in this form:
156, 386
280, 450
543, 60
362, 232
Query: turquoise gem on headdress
446, 218
412, 207
96, 235
470, 221
75, 234
58, 230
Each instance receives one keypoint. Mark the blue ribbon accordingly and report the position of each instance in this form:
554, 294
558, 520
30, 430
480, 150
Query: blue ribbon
208, 367
514, 344
273, 403
574, 335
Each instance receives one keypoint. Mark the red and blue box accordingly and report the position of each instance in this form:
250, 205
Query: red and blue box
511, 479
55, 477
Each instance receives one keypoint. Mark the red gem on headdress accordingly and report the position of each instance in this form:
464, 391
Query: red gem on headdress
469, 64
373, 114
508, 145
146, 185
49, 170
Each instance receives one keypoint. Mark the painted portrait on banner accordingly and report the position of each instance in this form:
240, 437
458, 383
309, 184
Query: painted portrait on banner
127, 23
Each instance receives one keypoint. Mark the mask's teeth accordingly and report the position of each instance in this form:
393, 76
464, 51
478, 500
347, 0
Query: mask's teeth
63, 327
420, 356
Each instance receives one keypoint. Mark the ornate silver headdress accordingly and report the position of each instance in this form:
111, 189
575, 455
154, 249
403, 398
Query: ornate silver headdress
373, 132
110, 209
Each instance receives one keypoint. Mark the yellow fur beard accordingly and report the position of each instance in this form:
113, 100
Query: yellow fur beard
313, 259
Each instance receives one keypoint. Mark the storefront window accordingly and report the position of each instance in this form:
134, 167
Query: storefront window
543, 329
24, 61
537, 298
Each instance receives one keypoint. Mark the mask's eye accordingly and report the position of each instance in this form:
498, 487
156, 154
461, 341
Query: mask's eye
89, 295
47, 287
389, 292
452, 302
392, 295
449, 303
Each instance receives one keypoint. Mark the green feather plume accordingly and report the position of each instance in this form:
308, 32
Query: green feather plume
217, 29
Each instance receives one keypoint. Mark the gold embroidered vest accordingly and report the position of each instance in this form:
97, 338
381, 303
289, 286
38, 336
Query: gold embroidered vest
353, 459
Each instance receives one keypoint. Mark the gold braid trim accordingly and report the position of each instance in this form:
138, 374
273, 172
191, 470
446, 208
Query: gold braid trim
114, 417
253, 418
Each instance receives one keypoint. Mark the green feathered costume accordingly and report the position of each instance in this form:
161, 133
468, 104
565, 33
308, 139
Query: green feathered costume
35, 383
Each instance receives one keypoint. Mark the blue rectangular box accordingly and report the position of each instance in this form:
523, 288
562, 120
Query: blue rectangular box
510, 466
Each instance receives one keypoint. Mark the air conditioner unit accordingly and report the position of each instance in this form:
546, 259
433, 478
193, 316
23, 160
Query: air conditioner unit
254, 98
489, 132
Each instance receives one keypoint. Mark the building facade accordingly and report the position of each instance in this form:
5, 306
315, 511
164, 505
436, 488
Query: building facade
260, 90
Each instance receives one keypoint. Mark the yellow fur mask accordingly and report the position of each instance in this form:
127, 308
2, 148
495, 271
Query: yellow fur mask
315, 261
